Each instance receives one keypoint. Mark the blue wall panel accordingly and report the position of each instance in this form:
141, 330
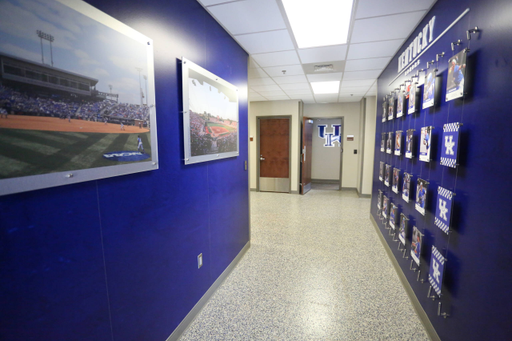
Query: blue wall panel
116, 259
476, 291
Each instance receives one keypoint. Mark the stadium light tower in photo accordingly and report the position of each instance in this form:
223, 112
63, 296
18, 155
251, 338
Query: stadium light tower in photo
48, 37
140, 85
146, 81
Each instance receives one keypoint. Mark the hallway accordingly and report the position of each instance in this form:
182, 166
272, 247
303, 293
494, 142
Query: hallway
315, 270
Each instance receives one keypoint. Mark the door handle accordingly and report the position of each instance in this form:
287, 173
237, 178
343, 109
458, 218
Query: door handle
262, 158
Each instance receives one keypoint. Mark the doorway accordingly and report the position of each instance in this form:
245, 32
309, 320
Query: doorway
274, 154
327, 153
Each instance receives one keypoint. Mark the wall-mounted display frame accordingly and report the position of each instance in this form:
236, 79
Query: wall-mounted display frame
409, 144
385, 207
74, 116
400, 99
421, 195
384, 109
389, 143
402, 230
429, 88
393, 214
406, 186
398, 143
456, 76
450, 148
444, 209
391, 107
387, 178
416, 245
425, 143
381, 171
436, 272
210, 115
383, 140
412, 106
396, 180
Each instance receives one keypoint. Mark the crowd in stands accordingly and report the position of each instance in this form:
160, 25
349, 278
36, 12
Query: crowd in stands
22, 103
202, 143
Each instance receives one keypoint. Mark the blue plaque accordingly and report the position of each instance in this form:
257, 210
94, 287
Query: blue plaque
449, 150
435, 276
443, 208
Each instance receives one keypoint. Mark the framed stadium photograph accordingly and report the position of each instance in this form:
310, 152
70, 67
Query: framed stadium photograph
456, 75
76, 96
210, 115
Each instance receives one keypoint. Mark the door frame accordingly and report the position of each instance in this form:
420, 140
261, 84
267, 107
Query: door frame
342, 140
258, 118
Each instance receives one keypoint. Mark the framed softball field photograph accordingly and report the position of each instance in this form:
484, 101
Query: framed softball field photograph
77, 96
210, 115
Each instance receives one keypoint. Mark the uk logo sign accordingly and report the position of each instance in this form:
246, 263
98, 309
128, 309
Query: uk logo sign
450, 144
443, 209
330, 138
435, 276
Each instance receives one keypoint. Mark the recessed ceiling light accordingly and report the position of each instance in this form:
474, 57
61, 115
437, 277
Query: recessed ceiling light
319, 22
326, 87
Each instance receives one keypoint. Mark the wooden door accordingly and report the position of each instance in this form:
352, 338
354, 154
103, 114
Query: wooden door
274, 158
306, 155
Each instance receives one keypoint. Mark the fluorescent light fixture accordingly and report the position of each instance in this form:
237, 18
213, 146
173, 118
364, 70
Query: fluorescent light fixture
326, 87
319, 22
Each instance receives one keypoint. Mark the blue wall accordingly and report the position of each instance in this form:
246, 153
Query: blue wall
477, 282
115, 259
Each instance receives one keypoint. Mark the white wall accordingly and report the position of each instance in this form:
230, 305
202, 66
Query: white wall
275, 108
350, 112
369, 145
325, 163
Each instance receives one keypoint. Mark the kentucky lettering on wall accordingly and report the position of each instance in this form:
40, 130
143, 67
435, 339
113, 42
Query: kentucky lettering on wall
421, 42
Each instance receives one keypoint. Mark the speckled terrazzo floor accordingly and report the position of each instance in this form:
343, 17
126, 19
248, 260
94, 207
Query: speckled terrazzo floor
316, 270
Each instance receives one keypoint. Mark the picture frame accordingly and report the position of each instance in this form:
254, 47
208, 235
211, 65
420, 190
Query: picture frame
393, 214
416, 245
82, 115
450, 145
444, 207
409, 144
421, 195
391, 107
400, 99
425, 143
381, 171
396, 180
402, 230
387, 178
398, 143
383, 142
406, 186
429, 88
456, 76
412, 107
436, 271
389, 143
210, 115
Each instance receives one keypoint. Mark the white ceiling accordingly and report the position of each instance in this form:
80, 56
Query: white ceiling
377, 30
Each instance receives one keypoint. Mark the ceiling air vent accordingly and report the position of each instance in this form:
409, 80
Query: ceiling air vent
324, 68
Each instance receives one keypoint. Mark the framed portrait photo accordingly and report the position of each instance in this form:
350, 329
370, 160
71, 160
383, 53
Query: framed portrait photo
398, 143
387, 178
393, 214
402, 229
381, 171
396, 179
406, 186
425, 144
409, 144
400, 97
429, 88
456, 76
389, 143
416, 245
412, 107
210, 115
421, 195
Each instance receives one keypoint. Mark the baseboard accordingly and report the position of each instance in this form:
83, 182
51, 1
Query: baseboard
429, 328
349, 189
322, 181
363, 195
294, 192
202, 302
253, 190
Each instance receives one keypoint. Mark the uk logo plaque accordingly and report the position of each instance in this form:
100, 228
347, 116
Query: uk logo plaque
425, 144
435, 276
444, 209
450, 148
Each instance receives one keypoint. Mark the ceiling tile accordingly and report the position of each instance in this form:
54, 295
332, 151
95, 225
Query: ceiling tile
367, 64
299, 92
257, 73
323, 54
374, 8
260, 88
264, 42
359, 82
249, 16
277, 98
272, 93
396, 27
261, 81
276, 58
372, 74
296, 86
327, 98
375, 49
290, 79
325, 77
277, 71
